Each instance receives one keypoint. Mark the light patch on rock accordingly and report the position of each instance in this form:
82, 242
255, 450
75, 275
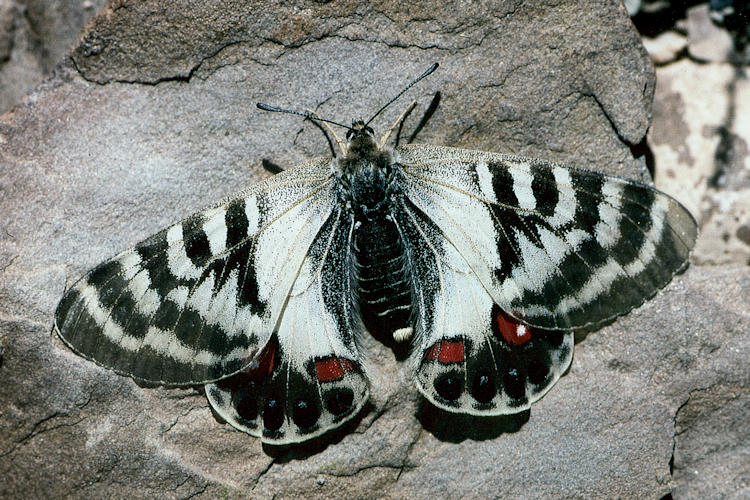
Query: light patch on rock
666, 47
99, 432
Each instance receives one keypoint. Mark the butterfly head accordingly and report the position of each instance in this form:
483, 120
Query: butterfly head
360, 140
359, 127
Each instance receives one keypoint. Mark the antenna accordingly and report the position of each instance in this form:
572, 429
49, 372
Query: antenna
315, 118
423, 75
308, 115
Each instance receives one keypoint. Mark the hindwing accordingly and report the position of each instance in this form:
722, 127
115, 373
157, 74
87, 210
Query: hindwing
309, 378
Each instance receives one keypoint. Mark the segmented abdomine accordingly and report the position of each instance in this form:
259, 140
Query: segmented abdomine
381, 273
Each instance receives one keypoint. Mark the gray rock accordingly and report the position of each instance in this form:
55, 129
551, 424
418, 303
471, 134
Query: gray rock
34, 36
712, 447
699, 138
155, 117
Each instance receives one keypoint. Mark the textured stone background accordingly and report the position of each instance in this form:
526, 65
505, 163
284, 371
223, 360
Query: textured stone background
151, 115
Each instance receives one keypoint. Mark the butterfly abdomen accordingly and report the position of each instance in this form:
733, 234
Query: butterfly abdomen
383, 282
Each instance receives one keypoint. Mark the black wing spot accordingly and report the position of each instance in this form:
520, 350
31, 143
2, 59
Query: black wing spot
514, 383
545, 189
484, 388
339, 401
246, 404
273, 414
167, 315
305, 413
538, 372
236, 222
588, 189
197, 247
449, 385
502, 184
153, 254
103, 273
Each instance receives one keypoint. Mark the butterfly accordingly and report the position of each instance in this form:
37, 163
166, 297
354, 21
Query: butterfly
483, 263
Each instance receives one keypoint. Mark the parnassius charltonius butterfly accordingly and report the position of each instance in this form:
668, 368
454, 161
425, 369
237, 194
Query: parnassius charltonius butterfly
484, 262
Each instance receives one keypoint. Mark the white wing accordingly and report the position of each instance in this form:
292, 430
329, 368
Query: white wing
195, 302
555, 246
309, 378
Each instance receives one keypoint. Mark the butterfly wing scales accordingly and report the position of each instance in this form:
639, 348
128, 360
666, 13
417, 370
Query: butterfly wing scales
557, 247
511, 254
309, 378
462, 362
195, 302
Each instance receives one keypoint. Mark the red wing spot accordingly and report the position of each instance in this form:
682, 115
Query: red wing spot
432, 353
264, 363
451, 352
330, 369
446, 351
513, 331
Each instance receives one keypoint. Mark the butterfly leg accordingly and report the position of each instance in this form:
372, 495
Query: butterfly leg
339, 140
397, 124
426, 116
422, 122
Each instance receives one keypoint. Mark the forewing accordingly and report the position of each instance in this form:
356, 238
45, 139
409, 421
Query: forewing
309, 377
555, 246
469, 356
194, 302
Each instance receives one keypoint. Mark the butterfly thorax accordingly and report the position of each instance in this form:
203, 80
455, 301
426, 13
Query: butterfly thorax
366, 173
361, 141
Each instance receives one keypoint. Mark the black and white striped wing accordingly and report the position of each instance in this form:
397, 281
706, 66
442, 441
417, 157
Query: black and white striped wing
469, 356
309, 378
196, 302
556, 247
509, 254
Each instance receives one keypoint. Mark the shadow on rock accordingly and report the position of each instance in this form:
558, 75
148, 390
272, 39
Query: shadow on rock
456, 427
306, 449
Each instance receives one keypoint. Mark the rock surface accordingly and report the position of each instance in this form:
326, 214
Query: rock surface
699, 137
34, 36
154, 117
